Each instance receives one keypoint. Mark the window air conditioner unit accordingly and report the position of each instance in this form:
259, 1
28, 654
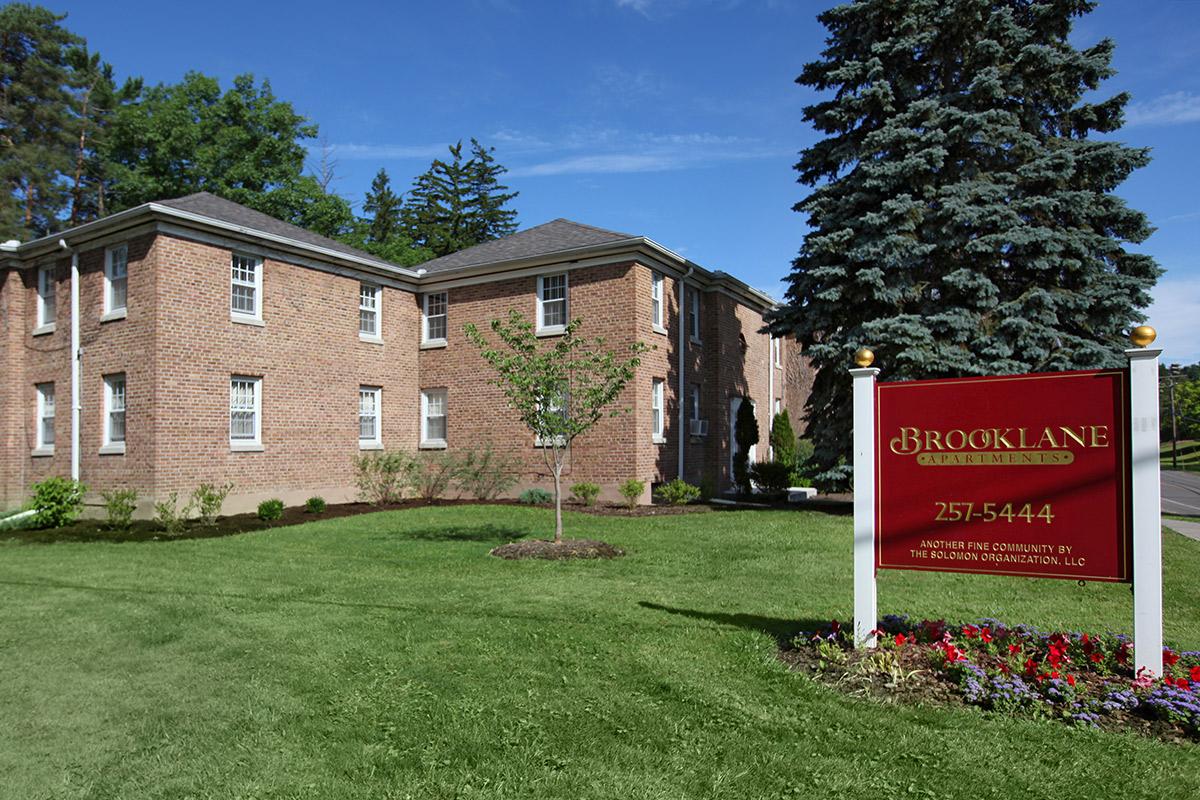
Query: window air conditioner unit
699, 427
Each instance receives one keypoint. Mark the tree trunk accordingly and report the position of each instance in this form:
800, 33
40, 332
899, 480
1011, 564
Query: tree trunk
558, 504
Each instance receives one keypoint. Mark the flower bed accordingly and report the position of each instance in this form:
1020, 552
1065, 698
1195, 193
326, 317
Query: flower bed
1083, 679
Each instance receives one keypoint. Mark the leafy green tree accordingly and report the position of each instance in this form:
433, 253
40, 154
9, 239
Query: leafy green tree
745, 433
380, 231
243, 144
962, 220
36, 119
559, 391
783, 438
456, 204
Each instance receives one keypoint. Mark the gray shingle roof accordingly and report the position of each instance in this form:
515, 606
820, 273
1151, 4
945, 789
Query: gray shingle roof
551, 237
209, 205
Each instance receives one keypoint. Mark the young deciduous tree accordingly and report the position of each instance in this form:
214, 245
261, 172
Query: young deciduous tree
962, 220
559, 391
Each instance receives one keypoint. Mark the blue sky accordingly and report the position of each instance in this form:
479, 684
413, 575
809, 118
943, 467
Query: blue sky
674, 119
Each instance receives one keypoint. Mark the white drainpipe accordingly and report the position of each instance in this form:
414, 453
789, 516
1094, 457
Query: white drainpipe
76, 356
682, 351
770, 394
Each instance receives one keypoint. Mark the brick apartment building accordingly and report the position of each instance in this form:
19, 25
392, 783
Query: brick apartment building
219, 344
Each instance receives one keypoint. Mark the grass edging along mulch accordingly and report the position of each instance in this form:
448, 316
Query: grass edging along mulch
1080, 679
562, 551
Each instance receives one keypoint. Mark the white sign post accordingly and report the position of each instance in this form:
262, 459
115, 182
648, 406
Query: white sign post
865, 613
1147, 508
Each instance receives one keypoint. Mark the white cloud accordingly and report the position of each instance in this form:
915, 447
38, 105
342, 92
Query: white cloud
1176, 108
372, 152
1175, 314
613, 151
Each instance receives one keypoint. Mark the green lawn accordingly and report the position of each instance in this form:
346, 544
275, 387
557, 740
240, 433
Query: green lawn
387, 656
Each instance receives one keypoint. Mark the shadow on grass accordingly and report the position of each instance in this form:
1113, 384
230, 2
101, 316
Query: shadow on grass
468, 533
782, 630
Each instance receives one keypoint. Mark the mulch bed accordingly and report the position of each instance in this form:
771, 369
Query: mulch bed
566, 549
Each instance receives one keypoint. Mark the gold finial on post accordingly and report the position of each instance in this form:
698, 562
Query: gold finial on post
1143, 336
864, 357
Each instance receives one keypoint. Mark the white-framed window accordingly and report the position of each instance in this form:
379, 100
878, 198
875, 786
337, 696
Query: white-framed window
114, 412
695, 401
369, 308
434, 330
47, 297
778, 405
552, 303
555, 404
776, 351
656, 407
656, 299
370, 427
116, 279
245, 412
433, 418
45, 417
245, 290
694, 315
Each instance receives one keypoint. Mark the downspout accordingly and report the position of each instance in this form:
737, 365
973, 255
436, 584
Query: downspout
771, 394
76, 355
682, 351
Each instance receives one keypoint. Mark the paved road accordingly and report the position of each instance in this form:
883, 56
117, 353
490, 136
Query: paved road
1181, 493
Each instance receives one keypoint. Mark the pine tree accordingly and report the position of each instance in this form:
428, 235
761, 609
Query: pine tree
962, 220
383, 207
36, 125
457, 203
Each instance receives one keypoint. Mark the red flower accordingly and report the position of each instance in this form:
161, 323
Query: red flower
1004, 668
1123, 653
835, 626
901, 640
1013, 649
1053, 673
1195, 674
1070, 680
1170, 657
1096, 656
970, 631
1030, 666
986, 635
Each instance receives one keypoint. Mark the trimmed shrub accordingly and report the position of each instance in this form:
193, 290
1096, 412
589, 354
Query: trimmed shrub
315, 505
745, 433
120, 504
771, 477
708, 488
632, 490
678, 492
208, 499
585, 493
485, 474
382, 477
430, 474
270, 510
535, 497
783, 438
56, 501
168, 515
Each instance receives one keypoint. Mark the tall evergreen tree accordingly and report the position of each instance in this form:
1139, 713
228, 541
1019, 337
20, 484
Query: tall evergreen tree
36, 124
457, 203
382, 206
962, 220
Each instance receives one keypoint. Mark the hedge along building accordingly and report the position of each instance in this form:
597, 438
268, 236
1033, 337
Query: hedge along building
196, 340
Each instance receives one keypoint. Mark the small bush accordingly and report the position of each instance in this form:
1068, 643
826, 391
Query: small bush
678, 492
315, 505
708, 488
56, 501
535, 497
168, 515
270, 510
585, 493
771, 477
632, 490
382, 477
120, 504
208, 499
430, 474
485, 474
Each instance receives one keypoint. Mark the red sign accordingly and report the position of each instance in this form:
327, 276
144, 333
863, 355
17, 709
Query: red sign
1014, 475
